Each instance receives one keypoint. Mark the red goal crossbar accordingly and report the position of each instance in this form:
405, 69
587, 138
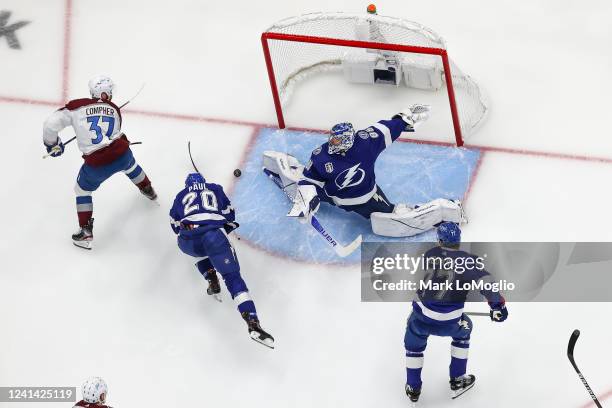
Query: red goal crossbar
265, 37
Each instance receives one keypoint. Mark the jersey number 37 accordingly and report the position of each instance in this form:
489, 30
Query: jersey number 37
94, 121
207, 197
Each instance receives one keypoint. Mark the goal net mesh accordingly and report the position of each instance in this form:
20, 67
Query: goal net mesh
294, 61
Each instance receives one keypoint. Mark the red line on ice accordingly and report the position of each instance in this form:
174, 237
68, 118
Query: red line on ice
473, 177
599, 397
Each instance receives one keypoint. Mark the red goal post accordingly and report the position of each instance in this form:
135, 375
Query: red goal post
297, 46
359, 44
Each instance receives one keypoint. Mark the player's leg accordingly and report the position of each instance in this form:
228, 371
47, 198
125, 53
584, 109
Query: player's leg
210, 274
406, 221
88, 181
415, 342
137, 175
224, 260
460, 346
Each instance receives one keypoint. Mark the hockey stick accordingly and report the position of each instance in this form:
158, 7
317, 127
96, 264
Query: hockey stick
134, 97
128, 101
477, 314
70, 140
342, 250
191, 157
570, 354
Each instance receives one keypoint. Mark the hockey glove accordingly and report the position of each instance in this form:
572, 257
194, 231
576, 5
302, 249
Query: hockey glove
498, 313
230, 226
414, 116
56, 149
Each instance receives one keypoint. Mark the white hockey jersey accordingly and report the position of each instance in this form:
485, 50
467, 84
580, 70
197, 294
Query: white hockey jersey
96, 123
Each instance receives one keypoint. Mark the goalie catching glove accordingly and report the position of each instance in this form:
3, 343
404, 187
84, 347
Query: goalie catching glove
414, 116
306, 202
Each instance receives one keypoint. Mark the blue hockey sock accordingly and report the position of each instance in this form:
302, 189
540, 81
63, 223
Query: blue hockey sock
459, 356
414, 366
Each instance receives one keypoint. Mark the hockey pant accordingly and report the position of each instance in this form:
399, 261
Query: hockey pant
91, 177
213, 250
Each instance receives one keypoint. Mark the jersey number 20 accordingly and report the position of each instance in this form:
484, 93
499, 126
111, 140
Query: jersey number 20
95, 127
208, 198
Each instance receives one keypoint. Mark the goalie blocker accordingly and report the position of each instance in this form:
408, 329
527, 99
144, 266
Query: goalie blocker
401, 220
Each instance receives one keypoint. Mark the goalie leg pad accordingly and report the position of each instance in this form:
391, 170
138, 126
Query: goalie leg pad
406, 222
285, 168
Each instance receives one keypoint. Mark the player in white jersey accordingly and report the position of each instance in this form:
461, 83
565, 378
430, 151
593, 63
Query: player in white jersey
106, 150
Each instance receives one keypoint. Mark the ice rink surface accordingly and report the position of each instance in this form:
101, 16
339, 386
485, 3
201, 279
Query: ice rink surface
134, 309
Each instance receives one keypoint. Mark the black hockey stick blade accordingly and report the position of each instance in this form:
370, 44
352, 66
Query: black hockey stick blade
570, 348
191, 157
570, 354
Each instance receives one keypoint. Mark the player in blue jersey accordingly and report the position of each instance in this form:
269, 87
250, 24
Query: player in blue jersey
202, 216
440, 312
341, 173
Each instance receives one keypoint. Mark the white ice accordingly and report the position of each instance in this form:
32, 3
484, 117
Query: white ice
134, 311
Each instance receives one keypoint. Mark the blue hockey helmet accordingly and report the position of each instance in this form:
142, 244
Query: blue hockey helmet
341, 138
449, 233
194, 178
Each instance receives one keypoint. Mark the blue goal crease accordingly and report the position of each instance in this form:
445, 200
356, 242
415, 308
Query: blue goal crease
407, 172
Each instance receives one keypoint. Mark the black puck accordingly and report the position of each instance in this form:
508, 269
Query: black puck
237, 173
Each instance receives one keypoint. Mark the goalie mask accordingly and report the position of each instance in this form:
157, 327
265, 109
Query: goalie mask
341, 138
101, 84
194, 178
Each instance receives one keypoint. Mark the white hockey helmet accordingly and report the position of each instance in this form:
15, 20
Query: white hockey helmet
94, 390
99, 84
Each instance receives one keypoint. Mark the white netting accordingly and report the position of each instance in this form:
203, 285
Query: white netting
294, 61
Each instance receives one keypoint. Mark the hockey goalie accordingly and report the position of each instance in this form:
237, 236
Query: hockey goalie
341, 173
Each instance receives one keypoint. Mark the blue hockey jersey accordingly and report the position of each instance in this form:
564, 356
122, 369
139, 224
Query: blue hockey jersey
439, 303
348, 178
200, 207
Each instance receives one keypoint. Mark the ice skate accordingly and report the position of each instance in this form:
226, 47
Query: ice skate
84, 238
461, 384
214, 288
256, 332
413, 394
149, 192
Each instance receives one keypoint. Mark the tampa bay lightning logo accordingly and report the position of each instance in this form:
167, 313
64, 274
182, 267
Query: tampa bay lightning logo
350, 177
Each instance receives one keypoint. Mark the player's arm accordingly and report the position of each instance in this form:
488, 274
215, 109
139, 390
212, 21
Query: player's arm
175, 216
306, 201
54, 124
226, 209
496, 301
383, 133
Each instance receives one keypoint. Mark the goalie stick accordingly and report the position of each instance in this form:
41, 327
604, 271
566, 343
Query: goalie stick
342, 250
570, 354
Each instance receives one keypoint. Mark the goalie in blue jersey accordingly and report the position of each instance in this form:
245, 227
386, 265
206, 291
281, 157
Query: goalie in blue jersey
341, 173
440, 312
202, 217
